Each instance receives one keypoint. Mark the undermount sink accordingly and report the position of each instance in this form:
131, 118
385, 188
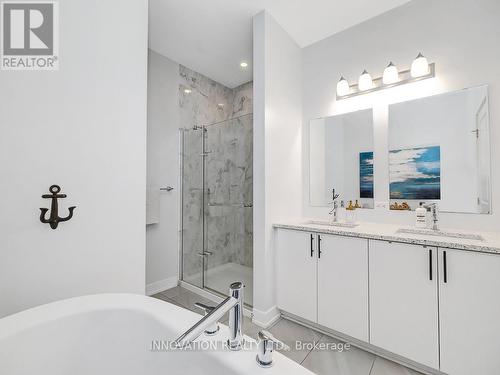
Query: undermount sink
439, 233
335, 224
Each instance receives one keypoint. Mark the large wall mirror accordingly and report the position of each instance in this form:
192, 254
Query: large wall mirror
439, 151
341, 158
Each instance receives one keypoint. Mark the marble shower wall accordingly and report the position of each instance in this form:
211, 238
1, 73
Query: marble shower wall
225, 218
229, 178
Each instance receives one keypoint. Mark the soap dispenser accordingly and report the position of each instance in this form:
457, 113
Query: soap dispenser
351, 213
421, 216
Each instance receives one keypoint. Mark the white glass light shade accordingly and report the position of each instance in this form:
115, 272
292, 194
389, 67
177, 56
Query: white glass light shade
391, 74
365, 81
420, 66
343, 87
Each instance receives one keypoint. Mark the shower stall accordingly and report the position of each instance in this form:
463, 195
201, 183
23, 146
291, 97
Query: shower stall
217, 205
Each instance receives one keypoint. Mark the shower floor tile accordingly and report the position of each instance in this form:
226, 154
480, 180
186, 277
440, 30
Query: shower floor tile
220, 277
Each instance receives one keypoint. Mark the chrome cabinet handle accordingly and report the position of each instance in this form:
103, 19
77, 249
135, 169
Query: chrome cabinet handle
312, 245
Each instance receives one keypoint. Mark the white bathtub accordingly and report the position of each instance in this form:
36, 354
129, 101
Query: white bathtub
112, 334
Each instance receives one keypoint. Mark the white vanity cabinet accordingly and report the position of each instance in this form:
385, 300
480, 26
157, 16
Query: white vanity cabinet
324, 279
404, 300
343, 285
296, 273
437, 307
469, 309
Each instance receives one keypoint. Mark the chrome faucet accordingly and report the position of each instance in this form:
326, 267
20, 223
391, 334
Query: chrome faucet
210, 330
433, 207
335, 209
233, 304
266, 345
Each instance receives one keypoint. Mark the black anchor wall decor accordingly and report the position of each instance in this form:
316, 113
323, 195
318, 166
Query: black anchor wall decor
54, 218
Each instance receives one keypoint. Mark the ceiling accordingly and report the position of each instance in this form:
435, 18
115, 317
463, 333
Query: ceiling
214, 36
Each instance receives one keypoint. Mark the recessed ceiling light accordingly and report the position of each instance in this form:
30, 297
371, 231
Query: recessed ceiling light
187, 91
243, 64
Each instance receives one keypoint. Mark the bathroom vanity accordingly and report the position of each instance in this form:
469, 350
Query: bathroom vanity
421, 298
426, 298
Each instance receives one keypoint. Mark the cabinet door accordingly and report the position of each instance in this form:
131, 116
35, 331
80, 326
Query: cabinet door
404, 300
343, 285
296, 270
469, 309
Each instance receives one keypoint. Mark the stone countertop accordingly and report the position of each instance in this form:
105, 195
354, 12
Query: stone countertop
490, 242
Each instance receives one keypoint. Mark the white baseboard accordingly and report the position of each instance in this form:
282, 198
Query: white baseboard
160, 286
363, 345
266, 318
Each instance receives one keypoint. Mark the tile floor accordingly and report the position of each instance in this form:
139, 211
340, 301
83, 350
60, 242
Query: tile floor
218, 278
348, 362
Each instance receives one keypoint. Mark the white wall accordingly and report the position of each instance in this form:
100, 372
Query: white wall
162, 239
277, 150
83, 127
459, 35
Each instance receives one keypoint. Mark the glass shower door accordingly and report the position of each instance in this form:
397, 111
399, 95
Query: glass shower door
217, 205
228, 231
192, 234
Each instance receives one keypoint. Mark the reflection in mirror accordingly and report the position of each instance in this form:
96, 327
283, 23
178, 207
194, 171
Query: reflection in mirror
341, 158
439, 151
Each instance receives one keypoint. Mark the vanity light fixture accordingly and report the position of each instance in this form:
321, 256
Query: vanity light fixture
420, 69
391, 74
419, 66
343, 87
187, 91
243, 64
365, 81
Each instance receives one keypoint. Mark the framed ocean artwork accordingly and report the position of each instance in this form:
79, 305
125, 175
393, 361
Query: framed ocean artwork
415, 173
366, 174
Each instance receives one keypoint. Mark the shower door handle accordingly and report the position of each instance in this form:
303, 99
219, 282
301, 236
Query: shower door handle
205, 253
